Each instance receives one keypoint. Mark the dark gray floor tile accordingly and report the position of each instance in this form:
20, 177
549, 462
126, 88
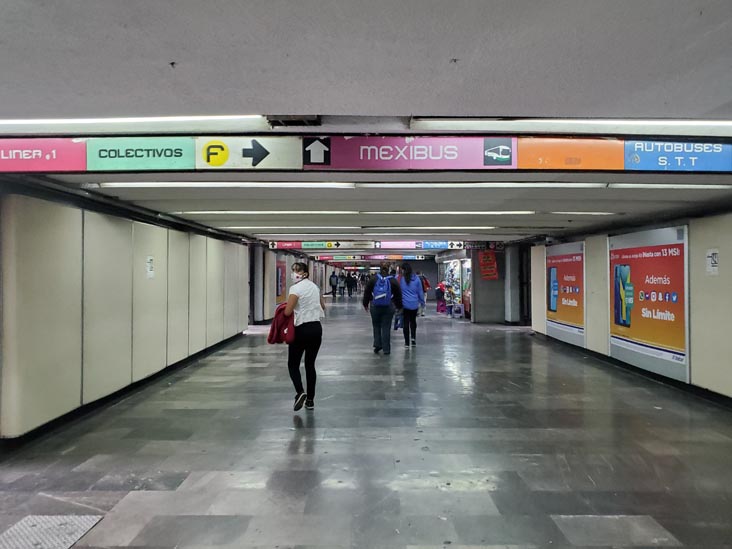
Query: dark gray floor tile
509, 530
185, 531
615, 530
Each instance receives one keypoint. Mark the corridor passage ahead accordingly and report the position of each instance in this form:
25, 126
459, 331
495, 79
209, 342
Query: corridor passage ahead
478, 437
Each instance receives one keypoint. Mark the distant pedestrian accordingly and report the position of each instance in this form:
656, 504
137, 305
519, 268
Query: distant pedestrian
426, 286
382, 297
351, 283
412, 299
450, 300
440, 296
306, 303
342, 284
333, 283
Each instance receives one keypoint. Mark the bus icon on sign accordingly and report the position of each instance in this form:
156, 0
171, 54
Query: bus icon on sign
499, 154
497, 151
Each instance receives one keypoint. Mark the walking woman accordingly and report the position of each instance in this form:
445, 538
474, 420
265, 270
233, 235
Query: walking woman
306, 303
412, 298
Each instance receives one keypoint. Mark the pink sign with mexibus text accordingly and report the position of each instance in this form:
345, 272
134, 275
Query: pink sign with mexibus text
406, 153
42, 155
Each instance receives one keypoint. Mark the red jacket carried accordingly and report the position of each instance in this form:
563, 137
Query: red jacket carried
283, 327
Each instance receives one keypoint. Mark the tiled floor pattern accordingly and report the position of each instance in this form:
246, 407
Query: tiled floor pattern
479, 437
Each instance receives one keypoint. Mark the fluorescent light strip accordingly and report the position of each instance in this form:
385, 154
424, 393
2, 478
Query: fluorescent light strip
452, 212
668, 128
128, 120
583, 213
432, 228
482, 185
266, 212
222, 185
260, 228
670, 186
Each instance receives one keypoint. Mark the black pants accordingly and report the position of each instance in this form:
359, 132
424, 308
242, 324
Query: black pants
381, 316
410, 324
350, 291
308, 338
333, 289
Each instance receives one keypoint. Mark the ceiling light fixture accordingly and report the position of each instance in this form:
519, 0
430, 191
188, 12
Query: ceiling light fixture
452, 212
136, 124
287, 228
482, 185
266, 212
670, 186
583, 213
221, 185
432, 228
668, 128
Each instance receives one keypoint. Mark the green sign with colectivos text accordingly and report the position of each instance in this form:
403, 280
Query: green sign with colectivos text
130, 154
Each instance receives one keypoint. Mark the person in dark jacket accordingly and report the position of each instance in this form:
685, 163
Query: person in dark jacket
382, 313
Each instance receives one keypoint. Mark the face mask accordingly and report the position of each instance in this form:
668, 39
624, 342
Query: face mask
296, 277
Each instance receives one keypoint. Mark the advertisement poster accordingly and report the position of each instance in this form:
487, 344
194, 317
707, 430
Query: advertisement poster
648, 301
565, 300
281, 281
488, 265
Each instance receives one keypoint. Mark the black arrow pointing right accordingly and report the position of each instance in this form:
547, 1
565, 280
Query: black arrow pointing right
257, 153
337, 244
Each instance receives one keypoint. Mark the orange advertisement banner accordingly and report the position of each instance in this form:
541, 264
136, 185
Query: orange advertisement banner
647, 301
566, 289
538, 153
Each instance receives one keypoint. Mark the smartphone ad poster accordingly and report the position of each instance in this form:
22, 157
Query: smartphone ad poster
565, 300
648, 301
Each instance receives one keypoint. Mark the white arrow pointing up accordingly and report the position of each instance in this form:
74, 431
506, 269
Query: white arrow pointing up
317, 151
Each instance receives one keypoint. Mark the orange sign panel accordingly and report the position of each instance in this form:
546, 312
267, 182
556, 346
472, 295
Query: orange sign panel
539, 153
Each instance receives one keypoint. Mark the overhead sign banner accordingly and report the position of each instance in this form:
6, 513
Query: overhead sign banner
42, 155
565, 286
131, 154
648, 301
392, 153
248, 153
541, 153
678, 156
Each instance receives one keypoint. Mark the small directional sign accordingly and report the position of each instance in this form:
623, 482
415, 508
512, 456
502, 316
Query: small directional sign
249, 153
273, 245
316, 151
377, 244
456, 245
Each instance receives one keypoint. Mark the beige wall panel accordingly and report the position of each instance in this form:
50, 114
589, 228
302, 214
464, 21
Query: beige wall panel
107, 305
231, 288
178, 287
538, 289
197, 296
150, 300
597, 294
244, 288
710, 302
214, 291
41, 246
270, 284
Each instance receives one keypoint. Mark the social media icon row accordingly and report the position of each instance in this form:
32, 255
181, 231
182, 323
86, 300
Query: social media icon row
668, 297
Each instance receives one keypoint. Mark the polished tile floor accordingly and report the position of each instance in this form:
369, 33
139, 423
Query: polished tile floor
479, 437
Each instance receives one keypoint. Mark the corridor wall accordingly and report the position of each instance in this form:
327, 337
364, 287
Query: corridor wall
710, 300
270, 284
91, 303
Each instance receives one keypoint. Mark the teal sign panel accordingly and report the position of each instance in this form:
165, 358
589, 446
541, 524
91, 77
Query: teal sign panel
130, 154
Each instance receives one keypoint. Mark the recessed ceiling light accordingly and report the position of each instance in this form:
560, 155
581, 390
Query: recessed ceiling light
482, 185
289, 227
670, 186
432, 228
583, 213
265, 212
221, 185
452, 212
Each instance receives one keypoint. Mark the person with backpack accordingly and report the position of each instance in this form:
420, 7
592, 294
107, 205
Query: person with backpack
342, 284
333, 283
382, 297
412, 299
426, 286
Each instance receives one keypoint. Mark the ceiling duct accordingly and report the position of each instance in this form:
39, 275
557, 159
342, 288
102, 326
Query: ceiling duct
293, 120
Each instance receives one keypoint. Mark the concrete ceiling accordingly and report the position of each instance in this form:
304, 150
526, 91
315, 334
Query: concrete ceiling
565, 58
380, 58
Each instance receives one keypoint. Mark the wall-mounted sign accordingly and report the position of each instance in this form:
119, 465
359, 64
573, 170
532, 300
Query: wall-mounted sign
248, 153
551, 153
387, 153
565, 292
648, 301
112, 154
150, 267
42, 155
488, 265
678, 156
712, 259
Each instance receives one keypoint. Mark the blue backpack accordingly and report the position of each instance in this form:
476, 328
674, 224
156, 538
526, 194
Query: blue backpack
382, 291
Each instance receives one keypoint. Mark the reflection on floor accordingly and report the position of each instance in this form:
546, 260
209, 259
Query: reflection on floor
477, 437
